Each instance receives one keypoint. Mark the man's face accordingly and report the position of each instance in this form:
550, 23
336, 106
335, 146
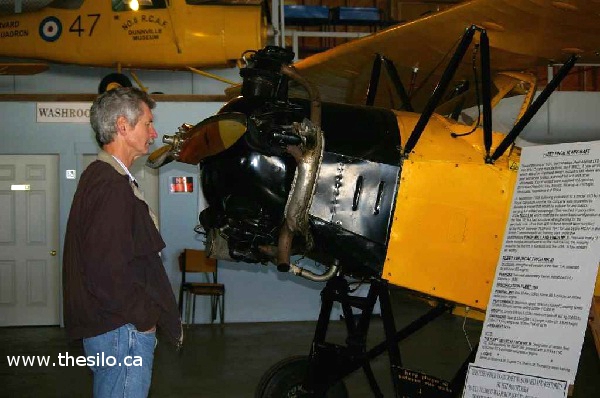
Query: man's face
142, 135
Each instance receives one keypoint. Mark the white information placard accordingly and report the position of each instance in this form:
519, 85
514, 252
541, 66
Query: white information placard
492, 383
537, 313
63, 112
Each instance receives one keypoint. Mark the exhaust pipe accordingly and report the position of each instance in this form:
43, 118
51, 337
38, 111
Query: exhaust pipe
308, 156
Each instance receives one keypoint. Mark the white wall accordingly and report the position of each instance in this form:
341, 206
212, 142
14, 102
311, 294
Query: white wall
255, 293
61, 79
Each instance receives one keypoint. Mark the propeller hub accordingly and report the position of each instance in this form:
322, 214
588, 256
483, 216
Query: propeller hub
169, 139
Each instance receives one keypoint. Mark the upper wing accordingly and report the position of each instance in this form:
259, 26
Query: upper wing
523, 34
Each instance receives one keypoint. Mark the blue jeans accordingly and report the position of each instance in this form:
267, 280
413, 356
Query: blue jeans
122, 362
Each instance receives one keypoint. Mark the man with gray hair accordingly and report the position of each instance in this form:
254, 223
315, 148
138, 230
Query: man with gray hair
116, 291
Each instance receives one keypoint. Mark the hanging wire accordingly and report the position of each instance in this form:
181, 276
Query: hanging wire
467, 309
477, 97
442, 61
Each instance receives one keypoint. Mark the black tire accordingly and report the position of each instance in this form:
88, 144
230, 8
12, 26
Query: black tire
284, 380
113, 80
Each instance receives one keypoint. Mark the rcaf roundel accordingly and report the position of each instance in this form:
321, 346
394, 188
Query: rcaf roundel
50, 29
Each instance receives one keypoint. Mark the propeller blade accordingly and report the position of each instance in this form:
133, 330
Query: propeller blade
212, 136
160, 157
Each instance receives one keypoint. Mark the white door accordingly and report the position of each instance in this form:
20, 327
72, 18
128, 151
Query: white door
29, 266
146, 177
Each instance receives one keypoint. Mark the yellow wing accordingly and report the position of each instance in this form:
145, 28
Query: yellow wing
523, 34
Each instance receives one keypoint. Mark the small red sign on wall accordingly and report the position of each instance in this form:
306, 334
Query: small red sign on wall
181, 184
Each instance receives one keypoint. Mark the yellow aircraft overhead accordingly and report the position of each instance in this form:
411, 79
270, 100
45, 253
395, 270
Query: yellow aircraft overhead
355, 158
158, 34
523, 35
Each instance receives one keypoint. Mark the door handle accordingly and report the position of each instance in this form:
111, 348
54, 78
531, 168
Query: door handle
53, 252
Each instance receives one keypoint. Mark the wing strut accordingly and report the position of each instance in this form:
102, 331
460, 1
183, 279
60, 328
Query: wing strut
439, 90
486, 96
532, 110
393, 75
374, 81
486, 88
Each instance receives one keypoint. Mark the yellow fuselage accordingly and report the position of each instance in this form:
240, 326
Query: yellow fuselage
173, 37
450, 214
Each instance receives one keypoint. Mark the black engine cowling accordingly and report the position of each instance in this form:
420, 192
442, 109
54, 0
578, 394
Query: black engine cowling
247, 186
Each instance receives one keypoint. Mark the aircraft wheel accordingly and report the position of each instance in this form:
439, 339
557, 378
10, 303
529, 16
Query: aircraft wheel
112, 81
284, 380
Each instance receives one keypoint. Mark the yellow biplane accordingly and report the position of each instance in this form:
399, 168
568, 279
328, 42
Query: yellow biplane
145, 34
355, 158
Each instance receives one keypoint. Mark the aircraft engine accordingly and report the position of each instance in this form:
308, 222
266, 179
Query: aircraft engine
345, 191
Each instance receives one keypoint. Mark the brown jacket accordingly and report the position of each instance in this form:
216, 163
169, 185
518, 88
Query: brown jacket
112, 271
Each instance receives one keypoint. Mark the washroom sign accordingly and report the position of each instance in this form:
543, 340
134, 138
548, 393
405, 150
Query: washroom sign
63, 112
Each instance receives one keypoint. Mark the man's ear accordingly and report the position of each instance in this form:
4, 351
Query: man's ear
122, 125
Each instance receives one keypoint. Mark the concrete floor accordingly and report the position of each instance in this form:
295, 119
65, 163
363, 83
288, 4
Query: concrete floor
229, 360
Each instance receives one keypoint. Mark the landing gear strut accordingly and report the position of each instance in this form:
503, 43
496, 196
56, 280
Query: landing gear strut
321, 374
